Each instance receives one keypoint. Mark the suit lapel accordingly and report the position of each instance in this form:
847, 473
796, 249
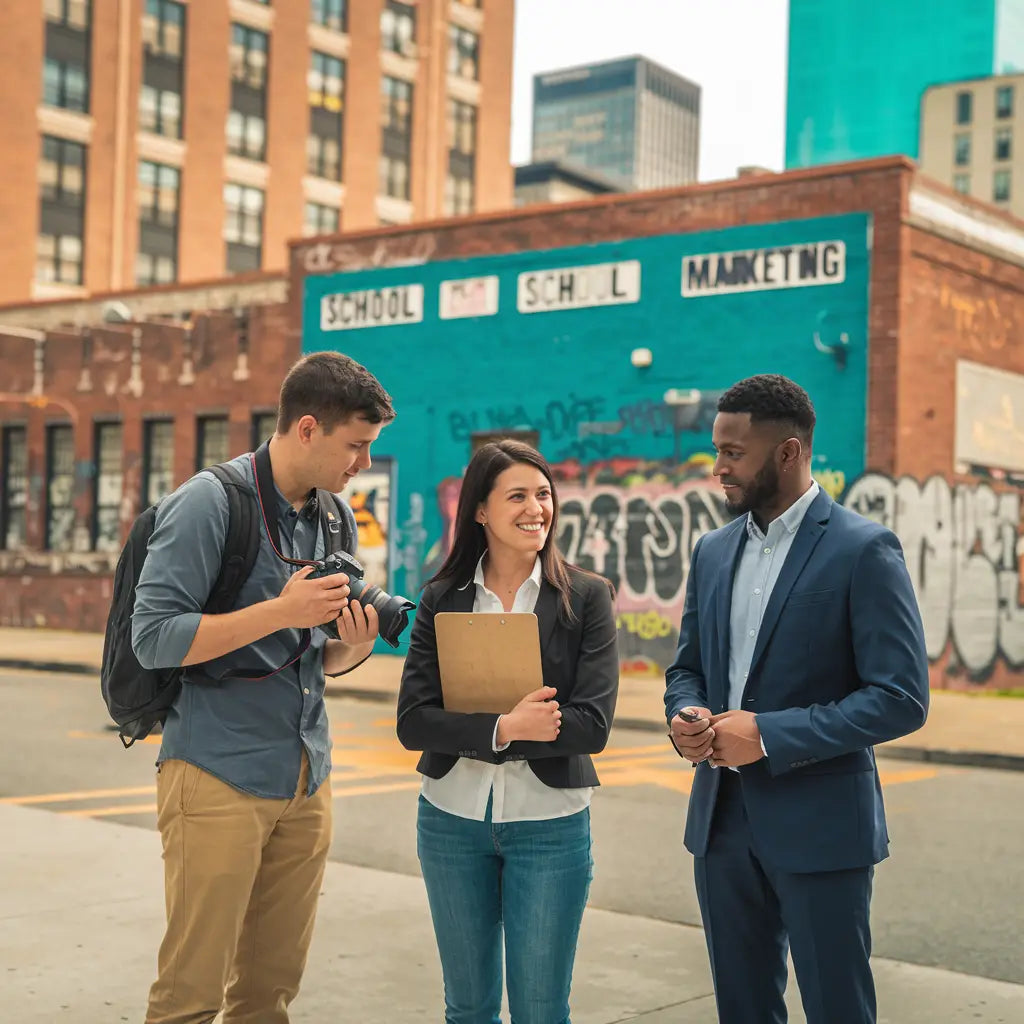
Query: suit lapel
460, 599
810, 531
547, 614
726, 573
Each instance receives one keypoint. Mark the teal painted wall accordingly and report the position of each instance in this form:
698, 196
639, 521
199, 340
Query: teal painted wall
635, 489
858, 69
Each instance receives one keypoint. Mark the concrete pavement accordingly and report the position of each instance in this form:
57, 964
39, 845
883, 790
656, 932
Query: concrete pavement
81, 916
962, 728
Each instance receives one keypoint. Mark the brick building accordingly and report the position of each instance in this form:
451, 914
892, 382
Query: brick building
152, 141
604, 330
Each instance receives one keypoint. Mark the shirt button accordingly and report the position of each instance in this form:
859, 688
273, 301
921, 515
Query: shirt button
757, 590
751, 633
767, 551
305, 690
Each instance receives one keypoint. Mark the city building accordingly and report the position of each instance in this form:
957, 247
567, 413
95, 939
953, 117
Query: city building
604, 331
555, 182
631, 121
971, 133
152, 141
858, 68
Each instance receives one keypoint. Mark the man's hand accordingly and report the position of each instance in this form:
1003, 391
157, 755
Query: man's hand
693, 739
536, 717
304, 603
737, 739
357, 624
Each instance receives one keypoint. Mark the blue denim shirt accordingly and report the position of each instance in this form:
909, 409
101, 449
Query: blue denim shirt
250, 733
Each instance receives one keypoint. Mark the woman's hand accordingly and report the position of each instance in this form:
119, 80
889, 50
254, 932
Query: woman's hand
536, 717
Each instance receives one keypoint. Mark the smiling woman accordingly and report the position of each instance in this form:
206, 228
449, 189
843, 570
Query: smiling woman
529, 770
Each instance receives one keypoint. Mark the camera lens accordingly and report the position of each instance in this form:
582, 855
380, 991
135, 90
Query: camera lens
392, 612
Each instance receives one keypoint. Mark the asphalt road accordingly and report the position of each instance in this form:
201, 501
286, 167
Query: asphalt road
951, 895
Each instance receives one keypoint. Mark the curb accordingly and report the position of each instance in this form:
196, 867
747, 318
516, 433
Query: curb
957, 758
73, 668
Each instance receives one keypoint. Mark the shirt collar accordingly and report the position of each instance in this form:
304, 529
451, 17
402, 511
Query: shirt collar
535, 576
792, 517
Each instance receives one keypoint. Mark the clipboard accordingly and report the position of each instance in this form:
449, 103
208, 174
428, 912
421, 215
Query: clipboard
488, 661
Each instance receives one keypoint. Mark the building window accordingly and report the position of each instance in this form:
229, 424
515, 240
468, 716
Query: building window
248, 56
398, 28
163, 29
157, 460
463, 53
60, 488
247, 135
65, 85
459, 192
108, 488
394, 177
331, 14
243, 227
163, 68
396, 141
962, 149
14, 452
211, 441
160, 111
1004, 143
247, 118
323, 157
962, 183
964, 107
59, 246
159, 189
70, 13
1001, 186
1004, 101
326, 88
264, 426
320, 220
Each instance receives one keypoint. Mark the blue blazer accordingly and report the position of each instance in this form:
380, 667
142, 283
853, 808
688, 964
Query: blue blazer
839, 665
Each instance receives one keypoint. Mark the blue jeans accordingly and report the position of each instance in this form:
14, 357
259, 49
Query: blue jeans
528, 879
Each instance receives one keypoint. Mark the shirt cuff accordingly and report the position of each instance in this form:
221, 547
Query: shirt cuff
494, 739
763, 749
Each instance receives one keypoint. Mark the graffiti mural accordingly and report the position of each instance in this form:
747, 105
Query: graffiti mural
369, 497
963, 548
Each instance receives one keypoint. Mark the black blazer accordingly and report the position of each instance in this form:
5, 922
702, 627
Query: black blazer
580, 659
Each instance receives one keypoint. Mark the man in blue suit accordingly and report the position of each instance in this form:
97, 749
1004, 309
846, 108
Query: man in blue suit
801, 647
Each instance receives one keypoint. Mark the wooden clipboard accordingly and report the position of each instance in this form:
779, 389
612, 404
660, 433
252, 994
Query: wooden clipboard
489, 661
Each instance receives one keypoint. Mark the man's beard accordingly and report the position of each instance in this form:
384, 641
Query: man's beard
761, 491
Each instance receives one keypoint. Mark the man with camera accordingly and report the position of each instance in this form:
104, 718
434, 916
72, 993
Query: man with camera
243, 775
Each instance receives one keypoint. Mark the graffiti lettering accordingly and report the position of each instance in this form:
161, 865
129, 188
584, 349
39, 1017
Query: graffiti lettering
963, 547
557, 421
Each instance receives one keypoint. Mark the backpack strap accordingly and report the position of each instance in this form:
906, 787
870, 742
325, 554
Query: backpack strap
337, 523
242, 544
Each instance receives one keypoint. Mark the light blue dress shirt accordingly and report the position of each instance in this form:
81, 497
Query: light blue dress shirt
756, 575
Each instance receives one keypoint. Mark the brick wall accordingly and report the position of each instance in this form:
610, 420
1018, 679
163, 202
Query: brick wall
72, 590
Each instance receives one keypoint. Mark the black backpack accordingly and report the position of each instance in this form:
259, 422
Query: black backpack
138, 698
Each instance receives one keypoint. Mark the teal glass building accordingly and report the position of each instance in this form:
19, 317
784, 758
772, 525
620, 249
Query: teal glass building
859, 68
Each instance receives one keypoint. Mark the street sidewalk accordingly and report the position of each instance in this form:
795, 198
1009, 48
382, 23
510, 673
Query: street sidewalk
962, 728
81, 917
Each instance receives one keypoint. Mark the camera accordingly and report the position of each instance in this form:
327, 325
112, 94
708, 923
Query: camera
392, 612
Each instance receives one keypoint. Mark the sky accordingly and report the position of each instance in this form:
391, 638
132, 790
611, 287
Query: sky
735, 50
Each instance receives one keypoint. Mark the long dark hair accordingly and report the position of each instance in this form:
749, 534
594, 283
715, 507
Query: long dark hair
470, 542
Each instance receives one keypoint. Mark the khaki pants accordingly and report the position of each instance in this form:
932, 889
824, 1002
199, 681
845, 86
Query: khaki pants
242, 877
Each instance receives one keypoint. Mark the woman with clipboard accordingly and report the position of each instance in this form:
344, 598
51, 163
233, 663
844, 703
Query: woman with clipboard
503, 831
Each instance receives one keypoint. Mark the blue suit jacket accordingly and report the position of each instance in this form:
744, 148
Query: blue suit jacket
839, 665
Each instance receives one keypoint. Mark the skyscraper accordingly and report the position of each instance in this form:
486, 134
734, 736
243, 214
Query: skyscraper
630, 120
858, 69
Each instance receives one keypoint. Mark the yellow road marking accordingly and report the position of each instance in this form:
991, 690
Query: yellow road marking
85, 794
105, 812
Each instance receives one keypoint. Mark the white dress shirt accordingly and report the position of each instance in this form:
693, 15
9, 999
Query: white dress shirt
518, 794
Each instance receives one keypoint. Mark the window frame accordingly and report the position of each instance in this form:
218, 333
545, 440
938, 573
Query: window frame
51, 525
97, 541
11, 509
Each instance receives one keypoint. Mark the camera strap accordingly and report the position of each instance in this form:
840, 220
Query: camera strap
264, 475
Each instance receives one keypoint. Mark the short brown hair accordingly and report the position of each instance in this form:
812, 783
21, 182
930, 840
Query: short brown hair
333, 388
